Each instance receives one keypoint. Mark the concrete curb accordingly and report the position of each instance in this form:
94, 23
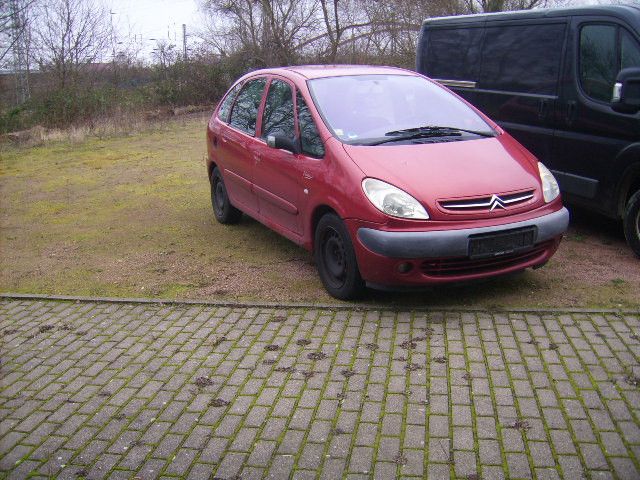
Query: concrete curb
327, 306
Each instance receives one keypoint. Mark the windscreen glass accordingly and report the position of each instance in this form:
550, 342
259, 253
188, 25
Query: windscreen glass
362, 108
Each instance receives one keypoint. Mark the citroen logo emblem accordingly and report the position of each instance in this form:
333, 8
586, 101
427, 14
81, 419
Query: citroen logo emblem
496, 202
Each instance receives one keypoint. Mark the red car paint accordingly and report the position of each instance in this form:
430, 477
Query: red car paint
288, 192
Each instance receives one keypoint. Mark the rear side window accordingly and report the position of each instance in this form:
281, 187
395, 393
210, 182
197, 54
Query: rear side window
453, 54
278, 116
522, 58
245, 109
309, 136
225, 106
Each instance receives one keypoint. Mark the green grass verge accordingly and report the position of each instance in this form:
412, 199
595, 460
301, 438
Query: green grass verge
131, 216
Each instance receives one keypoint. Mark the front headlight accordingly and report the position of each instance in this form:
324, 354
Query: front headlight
550, 188
393, 201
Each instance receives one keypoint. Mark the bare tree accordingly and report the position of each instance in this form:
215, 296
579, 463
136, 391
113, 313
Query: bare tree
340, 19
14, 24
70, 35
269, 32
165, 54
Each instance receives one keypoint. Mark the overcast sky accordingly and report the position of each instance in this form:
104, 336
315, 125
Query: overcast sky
144, 20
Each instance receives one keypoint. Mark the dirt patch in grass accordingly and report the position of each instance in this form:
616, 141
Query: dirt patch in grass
131, 216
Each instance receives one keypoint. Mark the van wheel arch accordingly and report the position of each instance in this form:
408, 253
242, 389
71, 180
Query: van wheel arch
629, 206
629, 185
631, 222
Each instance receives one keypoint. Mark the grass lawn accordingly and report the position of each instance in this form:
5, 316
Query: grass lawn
131, 216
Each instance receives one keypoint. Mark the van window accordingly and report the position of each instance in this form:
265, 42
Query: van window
629, 51
453, 53
277, 118
598, 62
245, 110
510, 64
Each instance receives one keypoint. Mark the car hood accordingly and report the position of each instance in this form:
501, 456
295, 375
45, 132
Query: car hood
449, 170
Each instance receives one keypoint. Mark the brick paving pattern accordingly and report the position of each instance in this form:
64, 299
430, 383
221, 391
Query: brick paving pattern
108, 390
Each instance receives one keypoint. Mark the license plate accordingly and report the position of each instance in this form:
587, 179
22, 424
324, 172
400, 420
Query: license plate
501, 243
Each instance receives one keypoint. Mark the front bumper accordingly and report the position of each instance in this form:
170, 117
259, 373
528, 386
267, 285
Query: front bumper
401, 258
453, 243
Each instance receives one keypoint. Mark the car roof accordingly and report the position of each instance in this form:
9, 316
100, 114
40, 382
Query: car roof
323, 71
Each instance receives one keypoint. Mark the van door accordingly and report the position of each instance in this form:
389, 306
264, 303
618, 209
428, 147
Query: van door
518, 81
590, 135
451, 55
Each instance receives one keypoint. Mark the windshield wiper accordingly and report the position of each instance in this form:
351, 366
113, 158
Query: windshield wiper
437, 130
426, 132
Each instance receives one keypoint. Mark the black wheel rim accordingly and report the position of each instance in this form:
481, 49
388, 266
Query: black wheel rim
334, 258
219, 196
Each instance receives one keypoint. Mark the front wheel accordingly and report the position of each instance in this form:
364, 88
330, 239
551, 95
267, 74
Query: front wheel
336, 259
632, 222
222, 208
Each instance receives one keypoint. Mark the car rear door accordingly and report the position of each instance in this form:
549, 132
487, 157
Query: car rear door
238, 145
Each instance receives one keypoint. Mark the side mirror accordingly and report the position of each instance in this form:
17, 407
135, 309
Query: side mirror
283, 143
626, 91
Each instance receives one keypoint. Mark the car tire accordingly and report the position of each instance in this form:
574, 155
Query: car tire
222, 209
336, 259
631, 221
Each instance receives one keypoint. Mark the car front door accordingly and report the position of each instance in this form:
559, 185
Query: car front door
238, 144
278, 174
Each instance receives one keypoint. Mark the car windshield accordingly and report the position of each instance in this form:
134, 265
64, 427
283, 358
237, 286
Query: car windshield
377, 109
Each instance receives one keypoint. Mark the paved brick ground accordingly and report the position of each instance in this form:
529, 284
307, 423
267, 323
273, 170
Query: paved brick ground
104, 390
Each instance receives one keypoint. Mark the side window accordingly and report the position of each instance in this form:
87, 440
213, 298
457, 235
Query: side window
522, 58
278, 111
309, 136
225, 106
629, 51
245, 110
598, 62
453, 54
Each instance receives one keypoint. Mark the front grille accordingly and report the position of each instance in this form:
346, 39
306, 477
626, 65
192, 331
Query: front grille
461, 266
487, 203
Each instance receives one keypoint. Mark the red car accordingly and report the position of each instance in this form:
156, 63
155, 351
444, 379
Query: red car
388, 177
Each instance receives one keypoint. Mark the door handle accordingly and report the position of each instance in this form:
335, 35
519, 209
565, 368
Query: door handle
543, 108
257, 157
571, 112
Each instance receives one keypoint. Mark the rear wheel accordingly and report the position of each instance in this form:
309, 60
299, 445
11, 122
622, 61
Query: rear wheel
632, 222
222, 208
336, 259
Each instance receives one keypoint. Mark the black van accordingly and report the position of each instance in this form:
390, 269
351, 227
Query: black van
565, 83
